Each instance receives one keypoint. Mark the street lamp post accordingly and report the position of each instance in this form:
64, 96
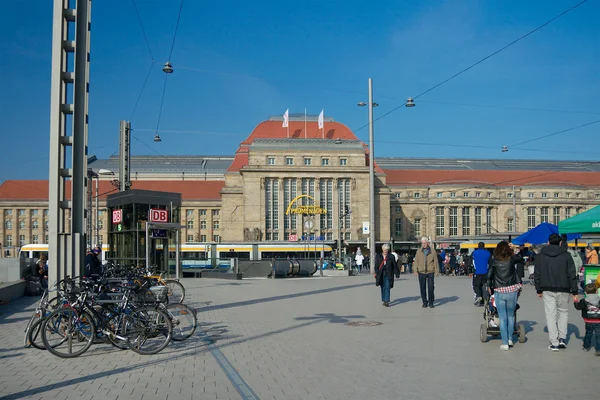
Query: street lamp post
372, 250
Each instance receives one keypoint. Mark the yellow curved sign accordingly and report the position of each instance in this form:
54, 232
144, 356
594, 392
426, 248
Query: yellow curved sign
313, 210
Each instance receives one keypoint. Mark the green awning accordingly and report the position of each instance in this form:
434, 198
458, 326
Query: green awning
586, 222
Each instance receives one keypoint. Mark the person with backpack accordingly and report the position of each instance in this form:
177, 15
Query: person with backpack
93, 267
481, 262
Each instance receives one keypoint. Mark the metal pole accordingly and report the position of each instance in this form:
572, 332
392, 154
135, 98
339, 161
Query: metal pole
372, 250
177, 250
97, 210
147, 246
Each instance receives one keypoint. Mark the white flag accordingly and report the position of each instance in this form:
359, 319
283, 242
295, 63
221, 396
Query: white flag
321, 120
286, 118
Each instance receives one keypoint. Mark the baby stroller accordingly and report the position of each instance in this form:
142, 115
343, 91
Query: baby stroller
491, 326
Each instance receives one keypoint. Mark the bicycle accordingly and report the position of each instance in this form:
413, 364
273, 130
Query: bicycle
39, 313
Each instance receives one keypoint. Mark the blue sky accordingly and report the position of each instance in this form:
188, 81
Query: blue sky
237, 63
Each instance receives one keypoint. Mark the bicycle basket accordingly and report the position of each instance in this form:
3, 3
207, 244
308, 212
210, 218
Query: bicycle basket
154, 294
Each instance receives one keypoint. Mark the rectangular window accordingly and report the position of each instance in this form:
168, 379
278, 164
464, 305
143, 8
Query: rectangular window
215, 213
466, 221
21, 224
578, 195
21, 240
7, 213
398, 209
289, 161
203, 224
397, 195
544, 214
270, 160
531, 218
325, 161
326, 202
417, 195
567, 195
289, 193
101, 220
271, 206
45, 213
488, 220
35, 224
307, 161
189, 214
477, 194
489, 195
190, 224
453, 225
46, 239
556, 195
568, 212
439, 195
216, 224
8, 223
465, 194
398, 226
417, 228
597, 196
555, 215
216, 238
530, 195
439, 221
34, 213
190, 238
509, 195
510, 226
544, 195
203, 238
453, 194
21, 212
203, 212
343, 161
477, 221
8, 241
35, 239
344, 202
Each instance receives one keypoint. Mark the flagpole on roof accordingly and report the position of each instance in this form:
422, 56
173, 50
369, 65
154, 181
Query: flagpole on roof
305, 131
286, 121
321, 122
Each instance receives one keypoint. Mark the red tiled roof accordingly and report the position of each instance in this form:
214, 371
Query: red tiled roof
240, 159
38, 190
399, 177
274, 130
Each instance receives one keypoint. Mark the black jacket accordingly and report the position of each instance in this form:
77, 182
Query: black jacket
555, 271
519, 263
389, 267
92, 265
590, 308
502, 274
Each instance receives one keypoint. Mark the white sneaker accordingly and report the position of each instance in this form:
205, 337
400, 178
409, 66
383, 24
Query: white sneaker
504, 347
510, 343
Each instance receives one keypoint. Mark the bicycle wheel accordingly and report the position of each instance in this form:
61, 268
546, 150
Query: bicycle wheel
68, 334
176, 291
37, 315
148, 330
184, 321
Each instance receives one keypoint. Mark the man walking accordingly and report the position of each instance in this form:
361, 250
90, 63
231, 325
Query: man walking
481, 264
555, 278
426, 265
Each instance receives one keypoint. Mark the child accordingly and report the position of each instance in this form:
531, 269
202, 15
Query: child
590, 311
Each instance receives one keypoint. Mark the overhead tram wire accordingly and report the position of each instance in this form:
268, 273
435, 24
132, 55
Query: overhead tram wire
555, 133
162, 97
479, 62
143, 30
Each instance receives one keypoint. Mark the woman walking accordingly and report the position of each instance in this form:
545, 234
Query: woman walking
505, 283
386, 268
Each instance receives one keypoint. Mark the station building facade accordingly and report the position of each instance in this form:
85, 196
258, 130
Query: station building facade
288, 183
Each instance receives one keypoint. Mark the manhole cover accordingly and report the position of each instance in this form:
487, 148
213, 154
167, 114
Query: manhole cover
364, 323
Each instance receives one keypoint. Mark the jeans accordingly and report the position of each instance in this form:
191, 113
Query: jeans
427, 279
506, 303
385, 288
359, 267
556, 306
592, 330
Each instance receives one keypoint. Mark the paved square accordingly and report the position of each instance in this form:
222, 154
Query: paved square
288, 339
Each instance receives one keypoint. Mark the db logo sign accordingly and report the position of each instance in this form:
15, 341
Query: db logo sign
293, 238
159, 215
117, 216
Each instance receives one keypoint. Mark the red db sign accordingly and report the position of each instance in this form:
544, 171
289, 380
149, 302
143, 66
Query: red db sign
159, 215
117, 216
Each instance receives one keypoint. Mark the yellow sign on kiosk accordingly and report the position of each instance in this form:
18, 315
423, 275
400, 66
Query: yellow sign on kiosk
312, 209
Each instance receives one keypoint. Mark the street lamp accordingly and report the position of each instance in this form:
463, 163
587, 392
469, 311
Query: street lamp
409, 103
101, 172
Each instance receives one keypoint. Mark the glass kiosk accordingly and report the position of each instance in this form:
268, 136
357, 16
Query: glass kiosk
144, 226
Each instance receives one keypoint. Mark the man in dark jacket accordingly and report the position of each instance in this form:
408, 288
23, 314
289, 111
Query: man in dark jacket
554, 279
92, 263
481, 263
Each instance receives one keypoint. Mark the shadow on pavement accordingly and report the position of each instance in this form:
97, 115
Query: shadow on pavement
571, 330
403, 300
445, 300
283, 297
528, 325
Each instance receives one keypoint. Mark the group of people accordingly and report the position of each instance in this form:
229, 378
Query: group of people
555, 276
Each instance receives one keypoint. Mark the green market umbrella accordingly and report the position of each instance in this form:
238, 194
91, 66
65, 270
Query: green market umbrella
586, 222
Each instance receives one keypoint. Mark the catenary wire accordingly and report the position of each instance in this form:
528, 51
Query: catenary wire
143, 30
139, 97
176, 29
555, 133
478, 62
